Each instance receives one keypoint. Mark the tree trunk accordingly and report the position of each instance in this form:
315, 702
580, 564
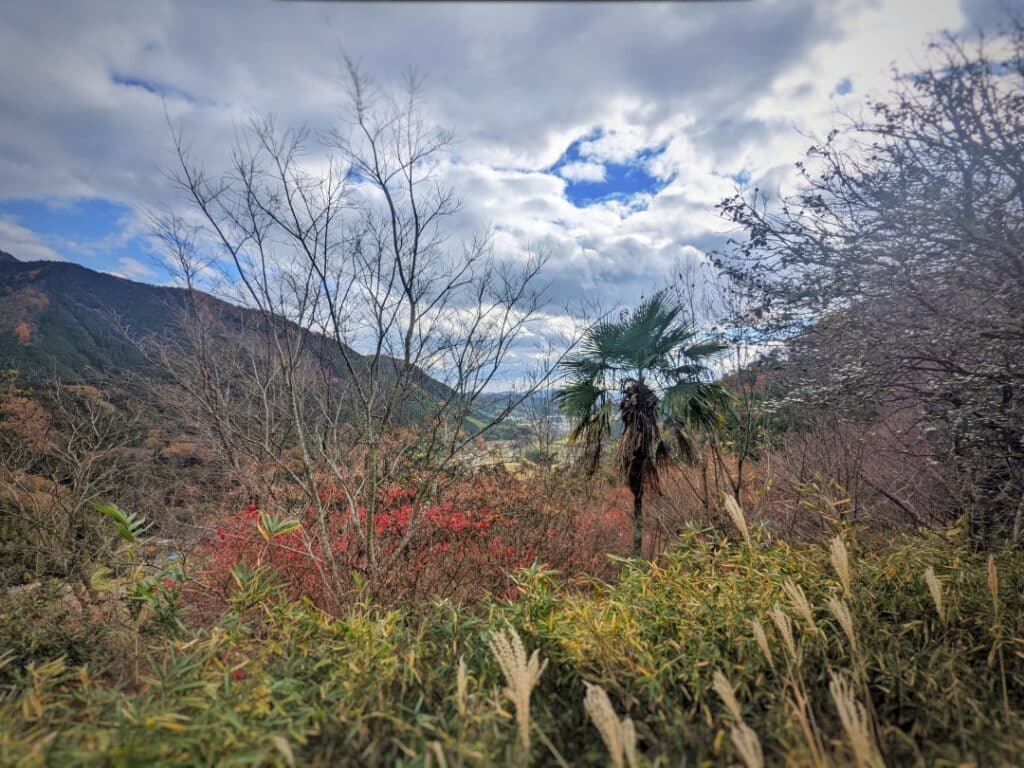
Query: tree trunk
641, 449
371, 505
594, 460
1018, 521
90, 591
638, 523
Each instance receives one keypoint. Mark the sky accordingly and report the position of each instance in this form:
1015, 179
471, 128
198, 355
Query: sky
602, 134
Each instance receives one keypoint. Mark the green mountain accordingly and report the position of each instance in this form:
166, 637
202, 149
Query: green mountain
65, 319
59, 318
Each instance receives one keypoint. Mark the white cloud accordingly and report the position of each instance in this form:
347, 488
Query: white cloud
133, 269
725, 88
582, 171
24, 244
629, 130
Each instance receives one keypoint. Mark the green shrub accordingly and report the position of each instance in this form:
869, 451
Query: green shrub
46, 622
275, 681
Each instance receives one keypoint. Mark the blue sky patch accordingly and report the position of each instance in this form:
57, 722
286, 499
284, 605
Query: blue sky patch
589, 180
742, 178
843, 87
90, 219
97, 233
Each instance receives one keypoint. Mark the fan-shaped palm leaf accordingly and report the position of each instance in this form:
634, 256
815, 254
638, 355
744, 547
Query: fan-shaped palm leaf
696, 403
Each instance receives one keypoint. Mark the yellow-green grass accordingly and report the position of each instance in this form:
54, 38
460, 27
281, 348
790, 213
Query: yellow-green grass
274, 682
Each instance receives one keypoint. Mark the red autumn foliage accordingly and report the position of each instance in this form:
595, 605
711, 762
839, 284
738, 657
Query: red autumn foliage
461, 548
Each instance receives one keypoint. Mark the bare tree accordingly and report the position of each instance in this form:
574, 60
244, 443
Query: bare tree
335, 244
896, 275
61, 453
541, 426
721, 453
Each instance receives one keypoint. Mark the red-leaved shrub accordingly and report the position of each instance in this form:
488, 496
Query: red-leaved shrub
460, 548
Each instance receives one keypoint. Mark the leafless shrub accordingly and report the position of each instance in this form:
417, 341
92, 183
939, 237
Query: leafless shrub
62, 450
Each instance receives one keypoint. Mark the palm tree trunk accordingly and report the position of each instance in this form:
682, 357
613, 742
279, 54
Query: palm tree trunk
595, 459
638, 523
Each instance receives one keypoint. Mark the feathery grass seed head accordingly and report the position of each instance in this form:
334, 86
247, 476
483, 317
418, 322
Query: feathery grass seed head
798, 599
726, 693
762, 641
736, 515
854, 717
785, 627
744, 738
936, 589
461, 686
993, 583
619, 736
628, 741
841, 561
521, 674
842, 613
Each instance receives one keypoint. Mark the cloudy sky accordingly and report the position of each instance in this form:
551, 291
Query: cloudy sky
602, 133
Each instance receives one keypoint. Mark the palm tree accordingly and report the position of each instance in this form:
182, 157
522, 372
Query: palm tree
653, 364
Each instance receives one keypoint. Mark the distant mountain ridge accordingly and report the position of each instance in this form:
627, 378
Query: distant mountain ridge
57, 317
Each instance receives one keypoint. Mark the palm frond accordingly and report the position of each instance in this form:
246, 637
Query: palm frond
585, 368
602, 341
685, 444
697, 403
578, 399
648, 336
707, 348
687, 371
588, 408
